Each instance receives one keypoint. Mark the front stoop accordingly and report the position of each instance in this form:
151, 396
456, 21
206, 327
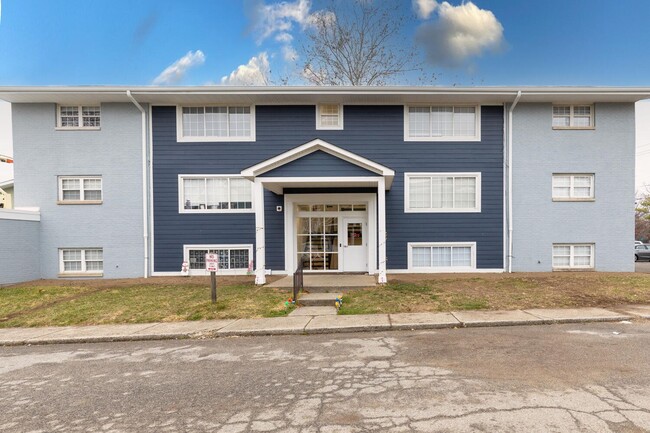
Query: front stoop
314, 311
318, 299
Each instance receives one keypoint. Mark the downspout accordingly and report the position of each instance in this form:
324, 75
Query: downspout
145, 209
509, 149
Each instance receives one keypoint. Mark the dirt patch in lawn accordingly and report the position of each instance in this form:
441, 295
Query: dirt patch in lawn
446, 292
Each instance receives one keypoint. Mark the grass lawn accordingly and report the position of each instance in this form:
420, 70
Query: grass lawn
163, 299
92, 302
445, 292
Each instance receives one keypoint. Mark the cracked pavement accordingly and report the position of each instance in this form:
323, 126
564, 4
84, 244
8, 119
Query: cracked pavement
556, 378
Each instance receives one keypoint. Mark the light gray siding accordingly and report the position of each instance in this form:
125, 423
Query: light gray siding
19, 253
608, 221
115, 153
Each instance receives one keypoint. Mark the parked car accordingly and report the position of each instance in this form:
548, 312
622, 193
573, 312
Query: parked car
638, 243
641, 252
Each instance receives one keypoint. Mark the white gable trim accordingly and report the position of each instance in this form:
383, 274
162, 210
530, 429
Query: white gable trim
251, 173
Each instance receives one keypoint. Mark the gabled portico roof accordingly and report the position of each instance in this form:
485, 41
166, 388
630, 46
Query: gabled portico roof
314, 146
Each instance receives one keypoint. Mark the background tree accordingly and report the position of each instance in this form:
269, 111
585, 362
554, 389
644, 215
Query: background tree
642, 219
359, 43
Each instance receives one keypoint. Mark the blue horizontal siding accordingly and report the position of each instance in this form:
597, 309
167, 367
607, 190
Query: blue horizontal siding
317, 164
373, 132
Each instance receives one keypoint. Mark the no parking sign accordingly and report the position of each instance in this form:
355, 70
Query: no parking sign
212, 262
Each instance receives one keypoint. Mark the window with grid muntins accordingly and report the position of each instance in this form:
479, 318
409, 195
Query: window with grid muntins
442, 122
573, 116
573, 256
440, 255
79, 116
568, 187
229, 258
215, 194
217, 122
80, 189
329, 116
81, 260
443, 192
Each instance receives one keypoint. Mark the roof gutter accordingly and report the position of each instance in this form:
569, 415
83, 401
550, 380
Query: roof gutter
509, 168
145, 209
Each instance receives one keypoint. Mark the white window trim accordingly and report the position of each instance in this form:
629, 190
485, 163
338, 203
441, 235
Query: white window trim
412, 245
318, 118
571, 186
186, 257
181, 194
572, 256
182, 139
592, 117
82, 200
476, 137
83, 272
476, 209
58, 126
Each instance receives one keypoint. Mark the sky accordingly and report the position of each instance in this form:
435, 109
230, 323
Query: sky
257, 42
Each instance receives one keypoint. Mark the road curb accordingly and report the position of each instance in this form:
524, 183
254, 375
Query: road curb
231, 331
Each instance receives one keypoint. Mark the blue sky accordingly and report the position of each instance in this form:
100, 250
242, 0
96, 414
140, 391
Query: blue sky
551, 42
197, 42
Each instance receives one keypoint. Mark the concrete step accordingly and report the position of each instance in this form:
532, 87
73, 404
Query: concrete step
318, 299
314, 311
330, 289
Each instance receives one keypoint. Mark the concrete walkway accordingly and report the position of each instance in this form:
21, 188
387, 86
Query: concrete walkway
324, 281
314, 324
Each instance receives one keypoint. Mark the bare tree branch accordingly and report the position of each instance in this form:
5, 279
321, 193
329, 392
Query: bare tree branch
357, 43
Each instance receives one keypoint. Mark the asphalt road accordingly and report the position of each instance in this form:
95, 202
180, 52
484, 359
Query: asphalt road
550, 378
642, 267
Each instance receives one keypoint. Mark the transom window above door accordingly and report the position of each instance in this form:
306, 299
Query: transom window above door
216, 123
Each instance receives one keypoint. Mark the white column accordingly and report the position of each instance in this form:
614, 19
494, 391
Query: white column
260, 250
381, 216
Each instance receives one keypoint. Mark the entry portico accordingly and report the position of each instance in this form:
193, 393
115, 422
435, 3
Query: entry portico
342, 227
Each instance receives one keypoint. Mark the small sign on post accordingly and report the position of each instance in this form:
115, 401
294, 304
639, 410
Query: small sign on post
212, 266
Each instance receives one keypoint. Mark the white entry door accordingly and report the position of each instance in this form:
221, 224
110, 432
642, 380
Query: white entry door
354, 244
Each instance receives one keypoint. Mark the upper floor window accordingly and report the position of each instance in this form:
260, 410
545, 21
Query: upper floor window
214, 194
573, 116
78, 116
216, 123
573, 187
329, 116
80, 190
442, 123
442, 192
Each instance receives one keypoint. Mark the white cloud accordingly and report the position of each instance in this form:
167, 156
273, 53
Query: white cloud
424, 8
254, 73
279, 17
289, 53
459, 33
284, 37
175, 72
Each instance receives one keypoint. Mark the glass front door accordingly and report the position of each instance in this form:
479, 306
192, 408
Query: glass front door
318, 242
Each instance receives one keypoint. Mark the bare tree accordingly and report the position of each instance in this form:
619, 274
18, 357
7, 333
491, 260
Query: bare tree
357, 43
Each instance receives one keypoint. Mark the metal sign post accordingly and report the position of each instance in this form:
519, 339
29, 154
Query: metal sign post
212, 266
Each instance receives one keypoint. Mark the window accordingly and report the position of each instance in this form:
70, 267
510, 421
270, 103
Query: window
448, 256
233, 259
216, 123
443, 123
81, 261
80, 190
573, 187
573, 256
442, 192
329, 116
573, 116
215, 194
78, 117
